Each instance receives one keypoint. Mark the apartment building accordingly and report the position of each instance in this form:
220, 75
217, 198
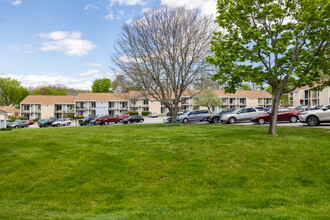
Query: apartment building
84, 104
307, 97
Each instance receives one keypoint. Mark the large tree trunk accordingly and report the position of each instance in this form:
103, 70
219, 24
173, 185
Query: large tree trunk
174, 111
276, 97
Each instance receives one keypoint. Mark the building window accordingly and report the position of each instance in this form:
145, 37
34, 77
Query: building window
124, 104
224, 100
213, 108
306, 94
232, 101
93, 104
145, 102
111, 104
133, 102
92, 112
111, 112
58, 107
146, 109
39, 107
162, 110
26, 107
268, 101
242, 100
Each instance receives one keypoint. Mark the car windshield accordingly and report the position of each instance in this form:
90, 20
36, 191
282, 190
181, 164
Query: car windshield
87, 117
58, 120
17, 121
129, 117
237, 110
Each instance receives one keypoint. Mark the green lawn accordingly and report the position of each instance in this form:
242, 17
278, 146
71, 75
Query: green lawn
164, 172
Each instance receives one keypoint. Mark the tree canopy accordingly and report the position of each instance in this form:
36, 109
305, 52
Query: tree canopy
103, 86
11, 92
282, 43
208, 99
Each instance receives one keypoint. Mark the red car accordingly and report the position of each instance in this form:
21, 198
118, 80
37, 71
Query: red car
284, 114
110, 118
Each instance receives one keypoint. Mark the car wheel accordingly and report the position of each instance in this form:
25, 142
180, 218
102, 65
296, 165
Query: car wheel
141, 121
58, 125
26, 126
232, 120
121, 121
185, 120
215, 120
105, 123
313, 120
69, 124
116, 122
16, 126
293, 119
261, 121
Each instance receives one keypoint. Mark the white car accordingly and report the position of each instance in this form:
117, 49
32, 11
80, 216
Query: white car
313, 118
61, 122
241, 114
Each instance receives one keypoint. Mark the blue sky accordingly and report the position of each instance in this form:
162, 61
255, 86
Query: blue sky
68, 41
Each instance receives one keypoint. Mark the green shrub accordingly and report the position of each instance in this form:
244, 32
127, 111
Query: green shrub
12, 119
69, 115
133, 112
145, 113
5, 129
35, 120
23, 118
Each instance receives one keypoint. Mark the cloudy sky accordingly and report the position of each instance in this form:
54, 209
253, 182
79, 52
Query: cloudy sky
68, 41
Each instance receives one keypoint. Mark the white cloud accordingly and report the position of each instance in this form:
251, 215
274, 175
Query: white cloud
127, 2
109, 16
68, 42
16, 2
208, 7
2, 61
34, 80
91, 64
129, 21
91, 6
90, 72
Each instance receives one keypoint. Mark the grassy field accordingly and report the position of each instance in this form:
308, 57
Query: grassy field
163, 172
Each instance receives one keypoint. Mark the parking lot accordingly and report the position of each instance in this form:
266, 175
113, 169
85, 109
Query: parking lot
160, 120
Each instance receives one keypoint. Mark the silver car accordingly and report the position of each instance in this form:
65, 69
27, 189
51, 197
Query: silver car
241, 114
196, 115
313, 118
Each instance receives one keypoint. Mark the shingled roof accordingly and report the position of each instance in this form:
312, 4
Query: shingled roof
9, 109
49, 99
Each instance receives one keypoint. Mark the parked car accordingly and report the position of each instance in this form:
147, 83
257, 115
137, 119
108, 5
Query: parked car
284, 114
46, 122
93, 121
153, 115
86, 120
301, 108
67, 121
20, 124
316, 117
260, 108
134, 118
107, 119
9, 124
241, 114
60, 122
315, 107
196, 115
215, 118
123, 116
177, 114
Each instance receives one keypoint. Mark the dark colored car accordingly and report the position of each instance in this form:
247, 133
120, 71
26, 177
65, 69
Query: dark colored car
46, 122
86, 120
20, 124
284, 114
215, 118
107, 119
134, 118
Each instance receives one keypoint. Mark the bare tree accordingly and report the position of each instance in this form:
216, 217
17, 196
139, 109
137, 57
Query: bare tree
163, 53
